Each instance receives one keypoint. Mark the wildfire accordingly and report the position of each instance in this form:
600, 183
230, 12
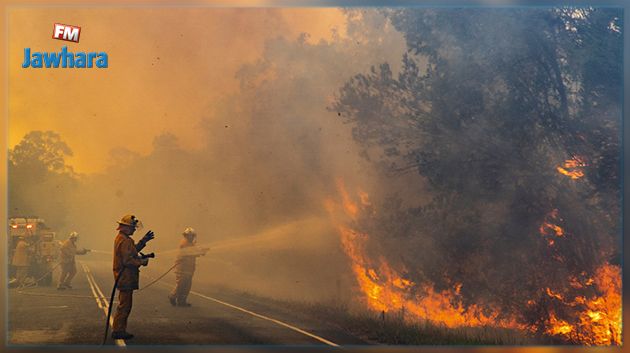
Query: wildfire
572, 167
598, 320
558, 327
385, 289
586, 311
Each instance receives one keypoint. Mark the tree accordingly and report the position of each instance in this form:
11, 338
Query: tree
489, 103
39, 178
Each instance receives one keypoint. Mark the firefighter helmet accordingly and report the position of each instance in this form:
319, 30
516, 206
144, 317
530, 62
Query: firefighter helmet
189, 232
73, 235
130, 220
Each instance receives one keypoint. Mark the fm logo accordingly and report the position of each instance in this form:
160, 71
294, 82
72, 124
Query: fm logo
66, 32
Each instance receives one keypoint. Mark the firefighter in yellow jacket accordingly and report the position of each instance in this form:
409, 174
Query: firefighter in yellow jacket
185, 267
127, 262
66, 260
21, 261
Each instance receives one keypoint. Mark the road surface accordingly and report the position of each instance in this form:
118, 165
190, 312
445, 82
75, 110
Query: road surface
46, 316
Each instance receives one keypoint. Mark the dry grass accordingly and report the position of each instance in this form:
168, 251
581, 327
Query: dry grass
393, 329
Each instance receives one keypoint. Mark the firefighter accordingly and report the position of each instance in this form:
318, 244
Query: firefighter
185, 267
66, 260
21, 261
127, 264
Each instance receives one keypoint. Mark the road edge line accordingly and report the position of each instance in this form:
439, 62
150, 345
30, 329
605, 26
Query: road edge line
297, 329
93, 284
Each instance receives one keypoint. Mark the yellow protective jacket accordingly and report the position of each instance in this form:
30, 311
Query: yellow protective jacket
126, 257
68, 251
185, 263
20, 256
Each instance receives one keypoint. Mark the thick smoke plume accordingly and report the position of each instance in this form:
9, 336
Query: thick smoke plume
255, 190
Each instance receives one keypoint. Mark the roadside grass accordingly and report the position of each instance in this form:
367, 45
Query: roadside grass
394, 329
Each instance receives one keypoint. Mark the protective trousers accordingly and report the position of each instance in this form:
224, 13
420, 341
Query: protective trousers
183, 283
125, 300
68, 271
21, 273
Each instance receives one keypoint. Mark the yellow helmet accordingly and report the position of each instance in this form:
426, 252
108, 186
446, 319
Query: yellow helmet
130, 220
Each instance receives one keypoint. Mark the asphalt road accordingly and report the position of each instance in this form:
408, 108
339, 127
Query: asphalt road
46, 316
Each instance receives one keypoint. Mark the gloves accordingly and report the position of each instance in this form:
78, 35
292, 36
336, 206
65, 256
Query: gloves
148, 237
144, 262
143, 242
87, 250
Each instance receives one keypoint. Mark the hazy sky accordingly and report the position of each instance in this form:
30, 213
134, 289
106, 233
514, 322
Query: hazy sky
168, 69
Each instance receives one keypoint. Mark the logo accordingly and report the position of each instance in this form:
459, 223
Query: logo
64, 58
66, 32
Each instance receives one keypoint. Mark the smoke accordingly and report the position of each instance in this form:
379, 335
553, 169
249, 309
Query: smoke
255, 190
492, 157
451, 182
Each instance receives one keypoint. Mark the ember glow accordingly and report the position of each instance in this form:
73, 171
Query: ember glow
549, 229
572, 167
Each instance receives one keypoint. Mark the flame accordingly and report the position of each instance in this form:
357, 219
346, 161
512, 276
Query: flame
385, 289
349, 206
554, 295
558, 327
598, 320
548, 229
572, 167
587, 311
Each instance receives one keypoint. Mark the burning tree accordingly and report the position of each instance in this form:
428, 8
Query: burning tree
512, 118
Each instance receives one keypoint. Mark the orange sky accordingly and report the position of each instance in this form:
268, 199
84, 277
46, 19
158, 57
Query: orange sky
168, 69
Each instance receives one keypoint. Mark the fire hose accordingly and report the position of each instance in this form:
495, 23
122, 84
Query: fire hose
22, 291
111, 298
22, 285
157, 279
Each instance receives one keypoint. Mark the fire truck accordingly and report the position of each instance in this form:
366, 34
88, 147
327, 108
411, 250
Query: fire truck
43, 248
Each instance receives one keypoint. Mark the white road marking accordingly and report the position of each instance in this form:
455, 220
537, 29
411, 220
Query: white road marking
98, 301
297, 329
100, 297
98, 289
260, 316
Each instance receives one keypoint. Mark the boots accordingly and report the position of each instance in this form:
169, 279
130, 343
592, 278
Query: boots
121, 335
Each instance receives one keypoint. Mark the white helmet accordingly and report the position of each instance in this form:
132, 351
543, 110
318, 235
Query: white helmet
73, 235
189, 231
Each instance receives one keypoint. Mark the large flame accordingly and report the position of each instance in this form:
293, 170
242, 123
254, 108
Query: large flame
598, 319
385, 289
593, 319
